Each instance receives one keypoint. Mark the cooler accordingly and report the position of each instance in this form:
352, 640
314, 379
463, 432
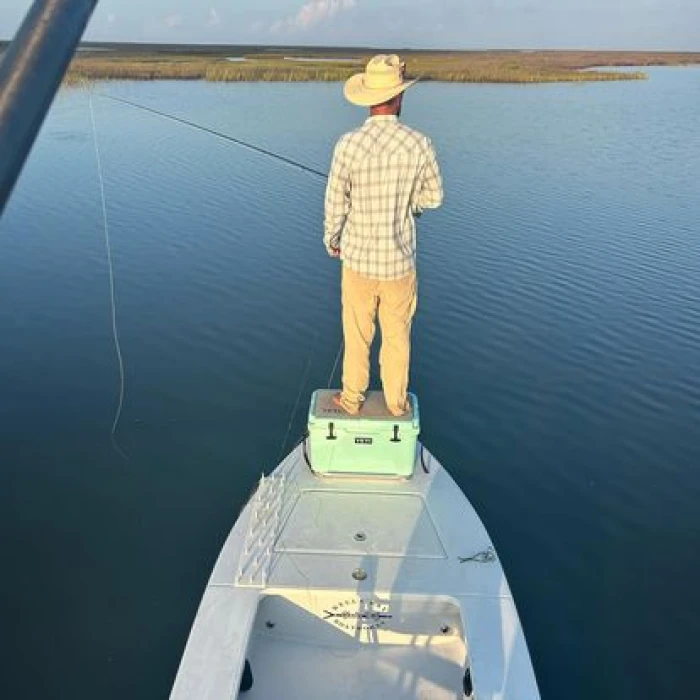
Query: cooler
372, 443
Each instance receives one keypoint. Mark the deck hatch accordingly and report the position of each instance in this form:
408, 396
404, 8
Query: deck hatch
393, 525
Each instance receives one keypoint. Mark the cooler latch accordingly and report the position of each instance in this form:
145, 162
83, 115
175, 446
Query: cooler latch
330, 435
396, 437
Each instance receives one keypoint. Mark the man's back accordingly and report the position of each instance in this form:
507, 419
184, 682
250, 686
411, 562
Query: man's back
383, 174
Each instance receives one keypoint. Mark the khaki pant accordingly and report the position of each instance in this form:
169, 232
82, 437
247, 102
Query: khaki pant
395, 300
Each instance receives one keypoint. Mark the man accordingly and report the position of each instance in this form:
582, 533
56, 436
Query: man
383, 175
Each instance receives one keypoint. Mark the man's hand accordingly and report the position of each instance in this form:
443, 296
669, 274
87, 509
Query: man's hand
334, 252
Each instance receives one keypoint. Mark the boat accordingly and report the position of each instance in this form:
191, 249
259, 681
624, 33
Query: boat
358, 569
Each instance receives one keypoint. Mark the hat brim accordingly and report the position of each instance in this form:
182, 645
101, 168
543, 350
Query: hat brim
356, 92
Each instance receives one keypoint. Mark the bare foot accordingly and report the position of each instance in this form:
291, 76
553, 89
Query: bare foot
401, 413
338, 401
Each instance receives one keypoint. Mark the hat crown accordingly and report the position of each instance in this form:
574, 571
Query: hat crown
384, 72
382, 79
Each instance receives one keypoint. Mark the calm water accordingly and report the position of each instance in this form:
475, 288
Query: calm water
557, 357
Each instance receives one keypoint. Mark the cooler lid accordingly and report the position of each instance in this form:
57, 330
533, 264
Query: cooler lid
374, 409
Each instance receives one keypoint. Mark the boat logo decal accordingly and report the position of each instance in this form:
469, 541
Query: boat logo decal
358, 614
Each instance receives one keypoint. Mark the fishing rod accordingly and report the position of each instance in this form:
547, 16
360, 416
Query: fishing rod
30, 73
218, 134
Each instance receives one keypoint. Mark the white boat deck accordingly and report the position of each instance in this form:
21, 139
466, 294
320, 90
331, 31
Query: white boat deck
412, 540
301, 671
367, 589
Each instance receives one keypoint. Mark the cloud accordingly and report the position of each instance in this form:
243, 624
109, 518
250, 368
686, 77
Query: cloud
214, 18
312, 13
111, 18
172, 21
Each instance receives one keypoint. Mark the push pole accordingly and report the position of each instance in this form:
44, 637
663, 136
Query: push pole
31, 71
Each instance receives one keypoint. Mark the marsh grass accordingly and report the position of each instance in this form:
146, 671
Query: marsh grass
463, 67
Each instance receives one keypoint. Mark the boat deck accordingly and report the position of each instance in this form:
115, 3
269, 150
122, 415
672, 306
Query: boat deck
304, 671
402, 533
360, 588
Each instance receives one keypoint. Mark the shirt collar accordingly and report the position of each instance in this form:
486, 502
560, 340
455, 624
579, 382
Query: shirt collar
382, 118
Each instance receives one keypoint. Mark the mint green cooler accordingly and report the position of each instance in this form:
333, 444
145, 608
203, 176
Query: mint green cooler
372, 443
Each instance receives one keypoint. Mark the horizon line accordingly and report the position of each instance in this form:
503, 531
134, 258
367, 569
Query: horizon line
369, 48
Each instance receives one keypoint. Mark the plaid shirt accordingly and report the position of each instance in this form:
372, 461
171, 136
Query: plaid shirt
383, 175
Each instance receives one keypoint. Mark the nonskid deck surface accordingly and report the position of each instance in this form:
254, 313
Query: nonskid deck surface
408, 535
304, 671
374, 408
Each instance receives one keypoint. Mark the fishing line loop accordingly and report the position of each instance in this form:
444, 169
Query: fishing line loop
112, 291
225, 137
335, 364
302, 384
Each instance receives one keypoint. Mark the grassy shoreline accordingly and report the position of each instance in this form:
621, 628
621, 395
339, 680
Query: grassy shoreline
267, 64
85, 69
304, 64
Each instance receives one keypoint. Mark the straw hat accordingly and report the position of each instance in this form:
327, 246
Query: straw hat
383, 79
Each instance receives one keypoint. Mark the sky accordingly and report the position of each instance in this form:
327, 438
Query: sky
458, 24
